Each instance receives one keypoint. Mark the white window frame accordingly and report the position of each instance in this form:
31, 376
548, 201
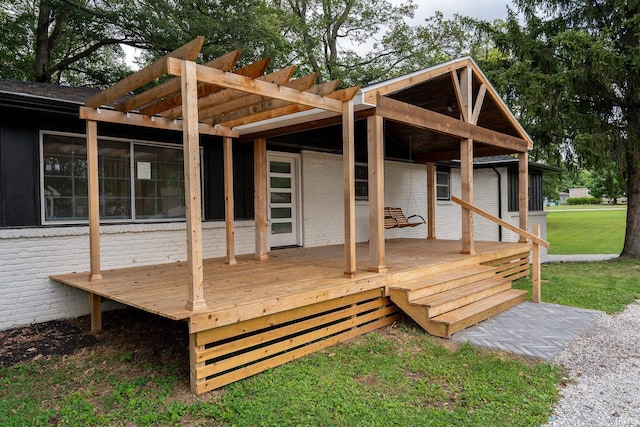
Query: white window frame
365, 180
132, 143
447, 185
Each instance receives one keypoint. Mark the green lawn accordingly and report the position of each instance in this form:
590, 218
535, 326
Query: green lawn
582, 231
397, 376
608, 285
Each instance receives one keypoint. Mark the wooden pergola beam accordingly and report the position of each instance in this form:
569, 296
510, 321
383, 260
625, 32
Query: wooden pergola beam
241, 101
429, 120
188, 52
135, 119
244, 115
249, 85
172, 107
342, 95
172, 87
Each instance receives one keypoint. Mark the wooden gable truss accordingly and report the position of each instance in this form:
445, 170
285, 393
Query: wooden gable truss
213, 99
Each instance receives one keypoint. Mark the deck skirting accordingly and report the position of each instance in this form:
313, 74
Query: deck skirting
225, 354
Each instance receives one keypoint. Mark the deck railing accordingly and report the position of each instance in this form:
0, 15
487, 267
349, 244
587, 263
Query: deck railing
533, 237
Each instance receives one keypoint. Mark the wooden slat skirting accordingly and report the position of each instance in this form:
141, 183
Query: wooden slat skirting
513, 267
229, 353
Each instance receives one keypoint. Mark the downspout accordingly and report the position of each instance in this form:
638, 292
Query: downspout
499, 203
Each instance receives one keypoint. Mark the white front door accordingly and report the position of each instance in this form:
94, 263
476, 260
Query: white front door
283, 210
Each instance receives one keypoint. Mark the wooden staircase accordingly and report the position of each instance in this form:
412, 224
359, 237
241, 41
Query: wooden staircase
446, 301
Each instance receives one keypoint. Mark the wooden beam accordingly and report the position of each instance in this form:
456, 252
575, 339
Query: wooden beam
95, 306
172, 106
466, 184
229, 214
425, 119
241, 101
523, 191
535, 239
193, 203
288, 108
234, 81
348, 160
417, 78
94, 200
172, 86
241, 115
260, 197
477, 108
431, 201
535, 266
463, 87
134, 119
188, 52
375, 150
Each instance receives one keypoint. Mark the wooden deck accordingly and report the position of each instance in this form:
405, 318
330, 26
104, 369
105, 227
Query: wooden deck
289, 278
261, 314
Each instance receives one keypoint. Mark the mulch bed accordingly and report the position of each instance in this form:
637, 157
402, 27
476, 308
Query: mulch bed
142, 333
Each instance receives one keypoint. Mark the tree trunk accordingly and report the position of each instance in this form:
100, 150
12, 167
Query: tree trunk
631, 247
41, 65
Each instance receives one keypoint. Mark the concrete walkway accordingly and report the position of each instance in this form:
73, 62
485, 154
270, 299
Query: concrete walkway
580, 257
540, 331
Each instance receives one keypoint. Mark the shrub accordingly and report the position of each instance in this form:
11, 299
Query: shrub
583, 201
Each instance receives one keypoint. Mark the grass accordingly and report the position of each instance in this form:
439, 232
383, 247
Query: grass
394, 376
566, 207
577, 231
607, 286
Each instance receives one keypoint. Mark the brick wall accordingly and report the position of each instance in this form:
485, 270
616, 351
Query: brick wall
29, 256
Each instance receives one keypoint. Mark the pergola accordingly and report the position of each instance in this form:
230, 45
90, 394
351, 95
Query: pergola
218, 99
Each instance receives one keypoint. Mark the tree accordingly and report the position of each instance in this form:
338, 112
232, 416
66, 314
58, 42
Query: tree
572, 73
605, 183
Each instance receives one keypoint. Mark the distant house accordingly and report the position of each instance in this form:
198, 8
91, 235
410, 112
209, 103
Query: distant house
146, 200
563, 197
579, 192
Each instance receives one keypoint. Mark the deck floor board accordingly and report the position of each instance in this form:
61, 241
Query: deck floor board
289, 278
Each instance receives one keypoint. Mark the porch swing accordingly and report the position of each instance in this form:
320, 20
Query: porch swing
393, 216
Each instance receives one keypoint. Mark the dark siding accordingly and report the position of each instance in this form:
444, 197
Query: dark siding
242, 180
536, 192
19, 194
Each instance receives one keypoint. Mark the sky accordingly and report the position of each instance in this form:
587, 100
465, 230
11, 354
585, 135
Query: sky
481, 9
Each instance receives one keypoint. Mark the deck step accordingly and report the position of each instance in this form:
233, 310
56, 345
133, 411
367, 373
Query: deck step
454, 298
476, 312
434, 269
429, 285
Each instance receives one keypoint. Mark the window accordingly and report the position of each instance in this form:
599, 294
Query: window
137, 180
443, 185
362, 181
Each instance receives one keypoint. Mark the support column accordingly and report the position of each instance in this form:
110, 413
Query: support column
431, 201
523, 192
193, 204
94, 200
375, 149
228, 199
95, 305
260, 197
466, 172
348, 160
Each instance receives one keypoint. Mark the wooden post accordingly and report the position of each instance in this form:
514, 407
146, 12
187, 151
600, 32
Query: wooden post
95, 304
191, 147
466, 172
193, 362
348, 161
228, 199
536, 267
431, 201
94, 200
375, 149
260, 197
523, 192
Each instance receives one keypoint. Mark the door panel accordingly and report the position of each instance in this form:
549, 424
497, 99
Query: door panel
283, 209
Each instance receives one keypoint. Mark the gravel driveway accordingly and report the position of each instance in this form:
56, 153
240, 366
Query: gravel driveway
603, 370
